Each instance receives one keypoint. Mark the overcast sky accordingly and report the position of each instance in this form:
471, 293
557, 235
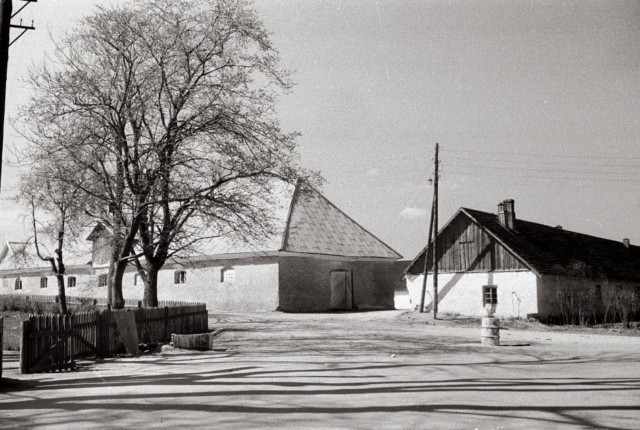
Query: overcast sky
537, 101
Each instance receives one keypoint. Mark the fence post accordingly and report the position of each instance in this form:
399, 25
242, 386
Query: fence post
25, 352
1, 348
166, 323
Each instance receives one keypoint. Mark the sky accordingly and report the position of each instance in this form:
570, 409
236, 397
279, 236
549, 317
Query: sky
536, 101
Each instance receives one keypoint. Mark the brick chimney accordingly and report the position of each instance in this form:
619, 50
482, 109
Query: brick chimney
507, 214
626, 242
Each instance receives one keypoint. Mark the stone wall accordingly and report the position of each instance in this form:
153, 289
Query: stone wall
254, 289
304, 282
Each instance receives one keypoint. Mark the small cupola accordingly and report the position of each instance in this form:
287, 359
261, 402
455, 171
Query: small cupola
100, 237
626, 242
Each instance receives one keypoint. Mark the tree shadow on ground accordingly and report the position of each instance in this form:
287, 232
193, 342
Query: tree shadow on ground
206, 391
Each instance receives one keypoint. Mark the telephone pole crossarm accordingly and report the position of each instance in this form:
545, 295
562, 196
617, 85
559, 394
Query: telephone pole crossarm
6, 14
24, 28
27, 2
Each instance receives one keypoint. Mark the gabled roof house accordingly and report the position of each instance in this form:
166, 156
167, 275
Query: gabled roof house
517, 267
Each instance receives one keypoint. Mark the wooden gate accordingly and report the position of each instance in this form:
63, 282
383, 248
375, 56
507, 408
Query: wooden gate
341, 283
54, 342
46, 344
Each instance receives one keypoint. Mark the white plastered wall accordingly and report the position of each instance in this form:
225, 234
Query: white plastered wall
461, 293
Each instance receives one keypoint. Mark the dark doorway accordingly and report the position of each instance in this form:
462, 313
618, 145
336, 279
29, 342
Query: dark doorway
341, 282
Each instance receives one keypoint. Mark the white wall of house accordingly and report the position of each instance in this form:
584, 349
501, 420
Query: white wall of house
86, 285
254, 287
461, 293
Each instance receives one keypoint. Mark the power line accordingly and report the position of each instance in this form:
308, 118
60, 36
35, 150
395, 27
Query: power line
543, 170
531, 154
559, 163
546, 177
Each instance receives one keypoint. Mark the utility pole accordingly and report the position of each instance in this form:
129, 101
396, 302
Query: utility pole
436, 174
6, 13
425, 270
431, 244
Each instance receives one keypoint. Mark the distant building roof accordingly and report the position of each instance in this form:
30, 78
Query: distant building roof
553, 250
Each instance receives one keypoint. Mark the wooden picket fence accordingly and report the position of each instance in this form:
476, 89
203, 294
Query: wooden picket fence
54, 342
1, 344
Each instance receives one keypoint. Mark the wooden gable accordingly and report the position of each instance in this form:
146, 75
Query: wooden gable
463, 246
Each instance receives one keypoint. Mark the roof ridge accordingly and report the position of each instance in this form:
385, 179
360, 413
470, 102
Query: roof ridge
354, 221
549, 226
292, 202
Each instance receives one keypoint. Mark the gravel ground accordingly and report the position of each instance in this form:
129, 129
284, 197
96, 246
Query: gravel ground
345, 370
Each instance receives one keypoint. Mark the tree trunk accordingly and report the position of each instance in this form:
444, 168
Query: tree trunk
61, 293
151, 287
111, 277
60, 273
118, 297
112, 266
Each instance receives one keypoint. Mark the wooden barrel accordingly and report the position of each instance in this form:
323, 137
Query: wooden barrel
490, 335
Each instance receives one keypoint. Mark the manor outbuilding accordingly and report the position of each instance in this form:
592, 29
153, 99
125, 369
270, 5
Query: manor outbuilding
519, 268
318, 259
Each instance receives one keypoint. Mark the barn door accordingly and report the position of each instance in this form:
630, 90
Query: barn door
341, 283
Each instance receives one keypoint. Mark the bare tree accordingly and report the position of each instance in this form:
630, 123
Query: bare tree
576, 295
626, 303
169, 106
55, 214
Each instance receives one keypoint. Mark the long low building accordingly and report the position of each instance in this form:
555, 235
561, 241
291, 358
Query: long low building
320, 259
517, 268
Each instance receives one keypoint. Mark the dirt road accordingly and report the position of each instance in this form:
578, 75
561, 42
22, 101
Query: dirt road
357, 371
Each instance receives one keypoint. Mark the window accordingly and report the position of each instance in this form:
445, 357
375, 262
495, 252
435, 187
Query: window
102, 280
18, 285
180, 277
43, 282
489, 295
71, 282
228, 275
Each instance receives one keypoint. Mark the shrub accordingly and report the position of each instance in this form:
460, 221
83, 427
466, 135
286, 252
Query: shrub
19, 303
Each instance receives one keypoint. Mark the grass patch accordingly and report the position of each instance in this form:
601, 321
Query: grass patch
12, 329
14, 309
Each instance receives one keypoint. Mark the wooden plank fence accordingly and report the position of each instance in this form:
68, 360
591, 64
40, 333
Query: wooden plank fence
46, 344
54, 342
1, 344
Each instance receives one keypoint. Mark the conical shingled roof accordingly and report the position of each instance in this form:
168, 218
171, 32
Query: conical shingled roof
317, 226
304, 222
